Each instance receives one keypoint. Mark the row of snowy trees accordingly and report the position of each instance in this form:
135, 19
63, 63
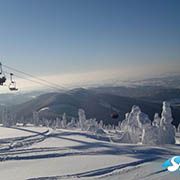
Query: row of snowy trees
135, 128
82, 122
7, 118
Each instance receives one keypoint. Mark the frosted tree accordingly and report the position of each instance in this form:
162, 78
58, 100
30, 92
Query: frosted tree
46, 122
166, 115
132, 116
64, 121
58, 123
151, 135
143, 120
92, 125
178, 129
72, 123
119, 125
100, 124
157, 120
134, 124
82, 119
109, 127
36, 118
162, 131
88, 124
53, 124
124, 123
8, 118
113, 127
137, 127
167, 129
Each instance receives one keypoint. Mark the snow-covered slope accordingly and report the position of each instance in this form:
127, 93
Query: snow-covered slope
41, 153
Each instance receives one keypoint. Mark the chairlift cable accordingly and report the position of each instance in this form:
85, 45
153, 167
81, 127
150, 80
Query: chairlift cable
43, 82
39, 79
37, 82
114, 115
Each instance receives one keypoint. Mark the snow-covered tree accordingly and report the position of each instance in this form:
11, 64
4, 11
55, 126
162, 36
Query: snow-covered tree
178, 128
137, 127
151, 135
133, 124
72, 123
157, 120
166, 128
100, 124
82, 119
57, 123
143, 120
64, 121
91, 125
124, 123
162, 131
8, 118
119, 125
46, 122
36, 118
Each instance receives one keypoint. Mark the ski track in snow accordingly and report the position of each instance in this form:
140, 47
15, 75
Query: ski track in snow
98, 172
10, 145
38, 146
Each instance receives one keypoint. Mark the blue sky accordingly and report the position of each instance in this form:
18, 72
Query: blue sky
55, 37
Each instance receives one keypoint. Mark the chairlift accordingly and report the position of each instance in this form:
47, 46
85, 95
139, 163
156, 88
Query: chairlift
114, 114
12, 85
2, 76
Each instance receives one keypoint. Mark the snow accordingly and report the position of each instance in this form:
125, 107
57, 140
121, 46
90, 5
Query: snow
11, 133
56, 166
72, 154
86, 149
44, 109
147, 171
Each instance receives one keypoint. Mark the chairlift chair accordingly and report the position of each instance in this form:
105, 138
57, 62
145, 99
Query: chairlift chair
114, 114
2, 76
12, 85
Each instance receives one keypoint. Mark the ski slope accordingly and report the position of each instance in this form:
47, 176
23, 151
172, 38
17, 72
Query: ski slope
42, 153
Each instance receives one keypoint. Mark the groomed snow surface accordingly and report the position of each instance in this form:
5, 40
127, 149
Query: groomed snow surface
42, 153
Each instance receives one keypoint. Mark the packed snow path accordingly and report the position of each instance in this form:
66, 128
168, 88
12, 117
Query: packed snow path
40, 153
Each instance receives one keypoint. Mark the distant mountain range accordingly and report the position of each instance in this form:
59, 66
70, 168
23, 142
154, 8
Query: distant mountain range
98, 103
8, 99
140, 88
150, 93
